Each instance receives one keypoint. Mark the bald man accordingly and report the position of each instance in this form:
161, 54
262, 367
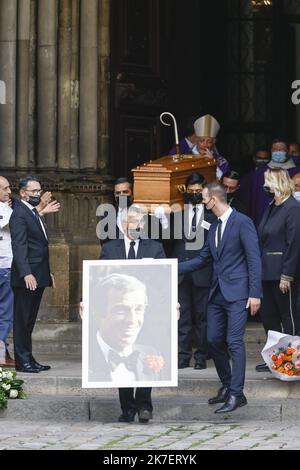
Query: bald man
6, 293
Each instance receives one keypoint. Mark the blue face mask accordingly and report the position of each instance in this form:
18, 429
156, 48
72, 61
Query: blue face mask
297, 196
279, 156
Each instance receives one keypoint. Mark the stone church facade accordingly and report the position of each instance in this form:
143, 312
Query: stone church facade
82, 85
54, 62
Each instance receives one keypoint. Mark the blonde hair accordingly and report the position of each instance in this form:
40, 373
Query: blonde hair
279, 182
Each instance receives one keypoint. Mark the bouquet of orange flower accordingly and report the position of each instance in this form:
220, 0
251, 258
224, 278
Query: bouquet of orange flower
282, 355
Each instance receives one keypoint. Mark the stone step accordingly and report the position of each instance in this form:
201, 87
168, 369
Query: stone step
176, 408
64, 339
64, 378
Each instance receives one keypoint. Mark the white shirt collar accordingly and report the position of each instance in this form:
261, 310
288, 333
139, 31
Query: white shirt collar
284, 166
105, 348
128, 241
226, 215
28, 205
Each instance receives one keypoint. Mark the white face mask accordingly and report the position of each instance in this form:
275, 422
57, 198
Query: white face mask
297, 196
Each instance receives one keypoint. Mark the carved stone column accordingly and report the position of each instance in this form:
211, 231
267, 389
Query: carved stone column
104, 81
8, 36
64, 83
47, 84
89, 85
74, 156
23, 61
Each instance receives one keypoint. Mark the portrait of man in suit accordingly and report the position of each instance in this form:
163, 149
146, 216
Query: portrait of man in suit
124, 344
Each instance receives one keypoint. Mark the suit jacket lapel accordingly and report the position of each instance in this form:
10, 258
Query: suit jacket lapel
265, 218
212, 241
141, 249
227, 231
35, 218
121, 252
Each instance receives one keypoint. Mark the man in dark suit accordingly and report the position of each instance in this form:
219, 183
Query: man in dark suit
133, 247
231, 181
30, 272
193, 289
110, 226
232, 245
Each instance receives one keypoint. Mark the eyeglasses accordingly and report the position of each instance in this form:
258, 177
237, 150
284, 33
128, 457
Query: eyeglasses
35, 192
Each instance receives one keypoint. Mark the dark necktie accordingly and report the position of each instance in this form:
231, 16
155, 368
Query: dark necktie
219, 235
130, 361
194, 220
131, 253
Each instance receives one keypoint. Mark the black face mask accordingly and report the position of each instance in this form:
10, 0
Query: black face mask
261, 161
206, 208
193, 198
34, 200
123, 202
230, 197
268, 192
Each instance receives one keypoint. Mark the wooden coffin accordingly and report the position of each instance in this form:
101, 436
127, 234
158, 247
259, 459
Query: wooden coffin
161, 181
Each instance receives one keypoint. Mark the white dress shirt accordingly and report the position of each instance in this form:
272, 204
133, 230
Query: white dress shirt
6, 255
121, 374
224, 219
31, 208
119, 218
127, 245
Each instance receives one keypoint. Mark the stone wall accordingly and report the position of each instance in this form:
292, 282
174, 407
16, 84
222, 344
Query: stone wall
54, 62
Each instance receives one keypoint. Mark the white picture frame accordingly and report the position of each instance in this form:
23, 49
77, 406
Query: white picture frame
156, 343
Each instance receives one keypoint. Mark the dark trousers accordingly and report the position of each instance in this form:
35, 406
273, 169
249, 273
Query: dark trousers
140, 400
279, 311
26, 307
192, 325
226, 325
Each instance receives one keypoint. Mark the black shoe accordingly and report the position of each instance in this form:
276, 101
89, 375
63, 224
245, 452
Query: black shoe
40, 367
232, 404
221, 397
262, 368
127, 417
200, 365
27, 368
183, 364
144, 416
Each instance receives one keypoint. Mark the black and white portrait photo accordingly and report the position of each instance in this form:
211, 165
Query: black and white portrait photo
130, 323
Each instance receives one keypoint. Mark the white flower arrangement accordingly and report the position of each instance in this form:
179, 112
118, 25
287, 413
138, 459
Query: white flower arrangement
10, 387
